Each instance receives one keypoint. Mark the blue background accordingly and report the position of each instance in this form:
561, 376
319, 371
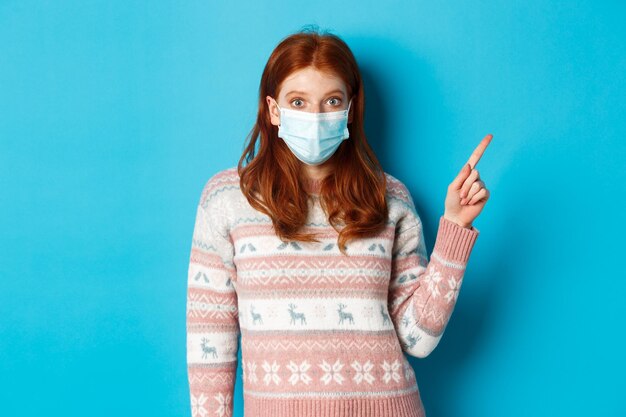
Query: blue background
114, 114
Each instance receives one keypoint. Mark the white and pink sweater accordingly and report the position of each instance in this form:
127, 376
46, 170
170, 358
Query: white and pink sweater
322, 334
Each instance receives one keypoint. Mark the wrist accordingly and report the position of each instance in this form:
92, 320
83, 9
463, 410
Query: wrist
458, 222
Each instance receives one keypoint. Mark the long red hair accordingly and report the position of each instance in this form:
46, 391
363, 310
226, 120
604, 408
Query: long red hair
353, 195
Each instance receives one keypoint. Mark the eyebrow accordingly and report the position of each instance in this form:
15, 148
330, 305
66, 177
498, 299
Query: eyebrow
304, 94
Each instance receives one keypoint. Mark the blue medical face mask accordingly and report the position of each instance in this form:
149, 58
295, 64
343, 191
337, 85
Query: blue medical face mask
313, 137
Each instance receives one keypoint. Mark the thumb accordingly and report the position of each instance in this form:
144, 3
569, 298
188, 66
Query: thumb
462, 176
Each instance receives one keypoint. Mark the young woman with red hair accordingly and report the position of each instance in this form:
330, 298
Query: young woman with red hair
315, 256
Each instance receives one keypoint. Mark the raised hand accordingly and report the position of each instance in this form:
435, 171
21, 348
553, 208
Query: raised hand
467, 194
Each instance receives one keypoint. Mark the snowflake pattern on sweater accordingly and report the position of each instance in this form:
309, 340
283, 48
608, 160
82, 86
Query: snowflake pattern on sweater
321, 333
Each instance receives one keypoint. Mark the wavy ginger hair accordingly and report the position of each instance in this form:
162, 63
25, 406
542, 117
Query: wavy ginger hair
272, 180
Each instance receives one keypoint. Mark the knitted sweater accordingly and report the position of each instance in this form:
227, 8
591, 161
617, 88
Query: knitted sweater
322, 334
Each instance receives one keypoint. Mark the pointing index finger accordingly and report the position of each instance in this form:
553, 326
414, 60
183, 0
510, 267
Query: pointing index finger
478, 152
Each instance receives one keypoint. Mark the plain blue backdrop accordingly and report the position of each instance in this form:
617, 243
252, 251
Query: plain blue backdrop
113, 114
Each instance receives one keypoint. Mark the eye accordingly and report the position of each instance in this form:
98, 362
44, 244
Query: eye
335, 100
296, 100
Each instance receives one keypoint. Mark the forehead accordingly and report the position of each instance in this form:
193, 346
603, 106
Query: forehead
312, 82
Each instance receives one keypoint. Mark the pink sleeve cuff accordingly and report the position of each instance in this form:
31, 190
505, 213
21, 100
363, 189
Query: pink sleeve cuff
454, 242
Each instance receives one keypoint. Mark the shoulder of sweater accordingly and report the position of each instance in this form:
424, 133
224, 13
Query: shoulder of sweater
397, 190
402, 210
220, 186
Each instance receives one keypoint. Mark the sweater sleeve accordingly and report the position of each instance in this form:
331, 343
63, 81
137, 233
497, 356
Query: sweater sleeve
423, 293
212, 312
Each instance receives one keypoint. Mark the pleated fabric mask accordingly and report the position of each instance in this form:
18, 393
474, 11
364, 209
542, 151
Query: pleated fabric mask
313, 137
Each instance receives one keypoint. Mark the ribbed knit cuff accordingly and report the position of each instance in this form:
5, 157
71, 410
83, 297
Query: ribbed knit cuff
454, 242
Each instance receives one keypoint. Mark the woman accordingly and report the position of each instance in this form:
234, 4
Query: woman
316, 257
